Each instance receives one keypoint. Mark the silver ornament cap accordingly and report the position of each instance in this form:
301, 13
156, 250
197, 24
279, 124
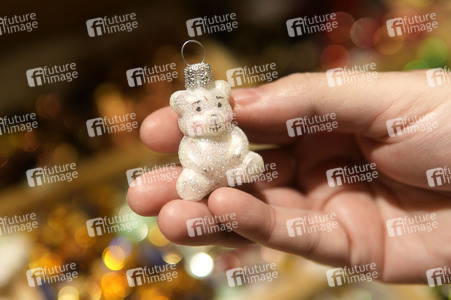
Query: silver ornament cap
198, 75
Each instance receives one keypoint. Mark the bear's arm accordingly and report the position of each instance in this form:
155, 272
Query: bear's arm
239, 144
186, 150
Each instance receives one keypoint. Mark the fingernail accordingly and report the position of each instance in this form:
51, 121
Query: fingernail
245, 96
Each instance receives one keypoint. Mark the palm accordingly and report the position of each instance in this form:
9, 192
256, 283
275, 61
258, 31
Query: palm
363, 208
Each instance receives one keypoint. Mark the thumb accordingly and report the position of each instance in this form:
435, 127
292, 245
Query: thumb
358, 107
268, 225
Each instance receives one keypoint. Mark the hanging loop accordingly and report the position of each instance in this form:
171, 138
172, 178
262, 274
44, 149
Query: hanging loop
196, 42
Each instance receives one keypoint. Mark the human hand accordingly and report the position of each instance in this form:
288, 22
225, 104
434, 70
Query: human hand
301, 188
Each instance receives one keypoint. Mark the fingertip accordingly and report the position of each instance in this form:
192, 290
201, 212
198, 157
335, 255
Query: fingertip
252, 215
160, 132
149, 193
228, 200
244, 96
171, 225
225, 200
137, 202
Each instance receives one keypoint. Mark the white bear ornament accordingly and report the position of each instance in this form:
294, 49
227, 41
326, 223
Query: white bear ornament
214, 152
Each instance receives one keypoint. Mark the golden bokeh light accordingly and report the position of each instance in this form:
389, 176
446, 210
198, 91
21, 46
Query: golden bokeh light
114, 257
156, 237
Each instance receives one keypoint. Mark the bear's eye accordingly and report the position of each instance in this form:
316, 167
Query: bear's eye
198, 108
219, 104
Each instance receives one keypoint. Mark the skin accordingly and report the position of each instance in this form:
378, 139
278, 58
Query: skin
301, 188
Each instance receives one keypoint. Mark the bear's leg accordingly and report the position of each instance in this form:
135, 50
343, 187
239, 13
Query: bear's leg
193, 186
253, 164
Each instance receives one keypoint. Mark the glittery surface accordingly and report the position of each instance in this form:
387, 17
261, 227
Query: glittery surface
212, 147
198, 74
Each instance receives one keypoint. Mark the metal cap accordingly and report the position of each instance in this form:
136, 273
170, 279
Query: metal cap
198, 75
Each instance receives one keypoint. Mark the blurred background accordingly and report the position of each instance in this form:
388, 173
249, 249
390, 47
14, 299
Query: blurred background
101, 89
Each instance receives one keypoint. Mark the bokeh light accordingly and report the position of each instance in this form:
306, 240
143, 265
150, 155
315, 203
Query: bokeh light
48, 106
433, 51
68, 293
114, 286
156, 237
343, 32
48, 260
82, 238
93, 288
114, 257
140, 232
30, 142
201, 264
334, 56
362, 32
415, 65
386, 44
172, 257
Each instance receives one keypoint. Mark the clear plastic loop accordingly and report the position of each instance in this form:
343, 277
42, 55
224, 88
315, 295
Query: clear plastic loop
193, 41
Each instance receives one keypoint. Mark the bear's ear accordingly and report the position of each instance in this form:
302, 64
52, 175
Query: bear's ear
177, 100
224, 87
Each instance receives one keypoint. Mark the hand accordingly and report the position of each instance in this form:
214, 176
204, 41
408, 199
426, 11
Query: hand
301, 188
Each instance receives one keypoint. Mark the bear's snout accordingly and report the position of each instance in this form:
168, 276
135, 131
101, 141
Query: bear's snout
217, 122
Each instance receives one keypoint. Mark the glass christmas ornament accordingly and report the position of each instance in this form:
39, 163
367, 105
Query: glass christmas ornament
214, 152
